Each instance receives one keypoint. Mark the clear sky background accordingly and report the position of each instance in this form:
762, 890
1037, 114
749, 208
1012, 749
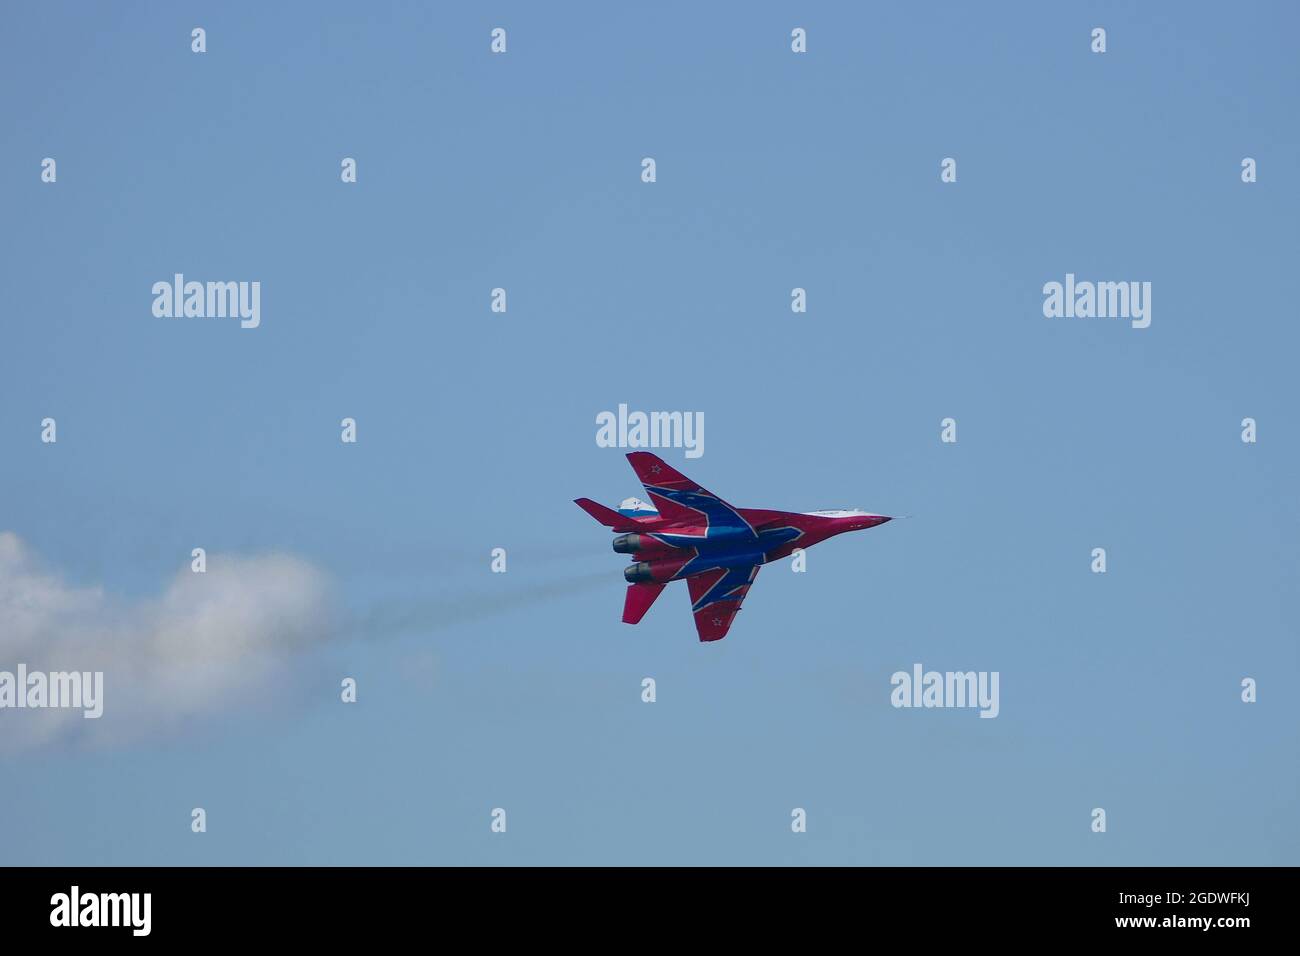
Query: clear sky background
476, 430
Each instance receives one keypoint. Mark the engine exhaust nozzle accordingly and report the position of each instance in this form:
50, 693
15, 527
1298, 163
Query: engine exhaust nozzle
635, 573
627, 544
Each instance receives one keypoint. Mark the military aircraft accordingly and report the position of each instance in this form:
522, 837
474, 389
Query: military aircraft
686, 532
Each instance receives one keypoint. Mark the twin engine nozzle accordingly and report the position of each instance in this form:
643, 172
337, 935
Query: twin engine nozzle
635, 544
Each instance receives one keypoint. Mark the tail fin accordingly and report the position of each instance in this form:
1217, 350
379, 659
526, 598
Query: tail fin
639, 598
606, 516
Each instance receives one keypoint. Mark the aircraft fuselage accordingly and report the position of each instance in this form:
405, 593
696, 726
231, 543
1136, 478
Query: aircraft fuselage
674, 553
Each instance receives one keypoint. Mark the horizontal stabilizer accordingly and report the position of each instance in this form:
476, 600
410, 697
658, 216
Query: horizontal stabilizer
639, 598
607, 516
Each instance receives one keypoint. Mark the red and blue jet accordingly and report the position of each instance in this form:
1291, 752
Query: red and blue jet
687, 532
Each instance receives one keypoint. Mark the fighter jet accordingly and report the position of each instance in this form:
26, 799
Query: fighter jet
686, 532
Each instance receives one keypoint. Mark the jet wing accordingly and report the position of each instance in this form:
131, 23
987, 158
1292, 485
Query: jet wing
680, 500
716, 596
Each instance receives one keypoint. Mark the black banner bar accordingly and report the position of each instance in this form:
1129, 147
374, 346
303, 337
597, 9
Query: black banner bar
211, 905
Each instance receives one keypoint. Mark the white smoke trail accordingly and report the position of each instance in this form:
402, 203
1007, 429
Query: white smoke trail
208, 637
210, 640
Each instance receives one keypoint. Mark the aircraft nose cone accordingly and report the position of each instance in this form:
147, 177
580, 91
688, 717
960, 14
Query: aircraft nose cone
874, 521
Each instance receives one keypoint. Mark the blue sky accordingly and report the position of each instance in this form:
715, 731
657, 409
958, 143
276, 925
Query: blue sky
476, 430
